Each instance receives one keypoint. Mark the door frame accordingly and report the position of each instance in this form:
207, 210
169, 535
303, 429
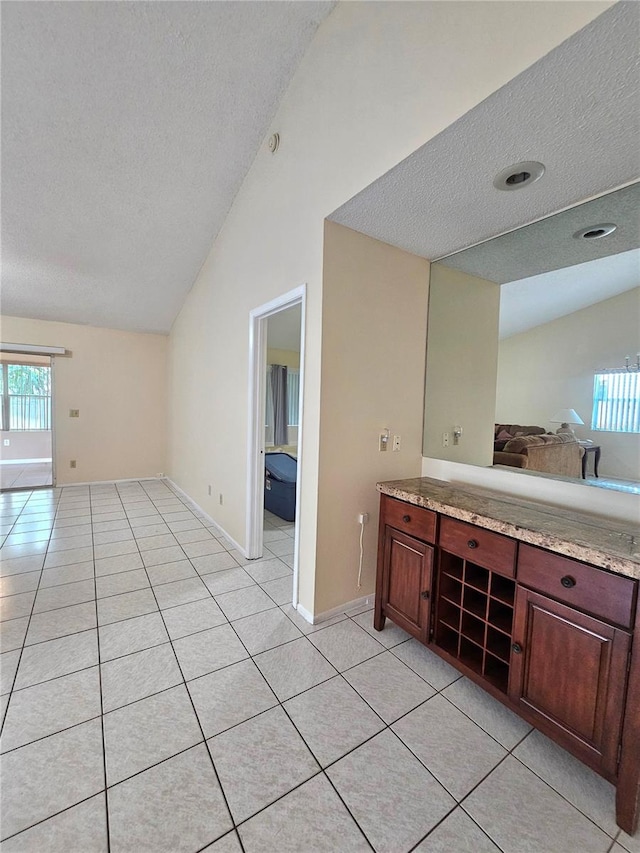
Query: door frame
258, 318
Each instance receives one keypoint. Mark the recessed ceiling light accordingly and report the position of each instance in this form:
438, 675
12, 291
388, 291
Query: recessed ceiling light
519, 175
594, 232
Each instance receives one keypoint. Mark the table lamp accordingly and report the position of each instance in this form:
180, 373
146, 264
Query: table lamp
566, 417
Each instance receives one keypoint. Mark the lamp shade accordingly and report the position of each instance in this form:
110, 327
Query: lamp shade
566, 416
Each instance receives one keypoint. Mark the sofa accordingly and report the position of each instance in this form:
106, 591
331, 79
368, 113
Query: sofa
531, 448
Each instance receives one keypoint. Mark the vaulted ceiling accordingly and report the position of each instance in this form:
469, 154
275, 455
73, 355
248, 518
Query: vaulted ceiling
127, 129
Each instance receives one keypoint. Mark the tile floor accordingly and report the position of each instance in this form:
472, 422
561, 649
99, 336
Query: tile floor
618, 485
159, 694
25, 473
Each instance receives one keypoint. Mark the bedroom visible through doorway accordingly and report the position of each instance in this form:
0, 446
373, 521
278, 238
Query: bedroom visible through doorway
26, 422
276, 356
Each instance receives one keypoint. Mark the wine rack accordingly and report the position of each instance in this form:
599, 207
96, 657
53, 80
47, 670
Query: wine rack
474, 617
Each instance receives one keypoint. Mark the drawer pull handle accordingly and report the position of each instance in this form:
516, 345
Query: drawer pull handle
406, 519
472, 543
424, 594
517, 648
567, 581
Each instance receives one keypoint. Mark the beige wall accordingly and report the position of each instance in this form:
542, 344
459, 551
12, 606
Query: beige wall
372, 379
283, 356
378, 81
118, 382
32, 444
462, 358
551, 367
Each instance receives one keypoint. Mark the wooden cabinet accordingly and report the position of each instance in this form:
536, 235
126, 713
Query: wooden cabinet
568, 676
405, 567
549, 636
406, 583
474, 617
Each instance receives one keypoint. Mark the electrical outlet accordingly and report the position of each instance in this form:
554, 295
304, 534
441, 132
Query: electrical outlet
383, 441
209, 491
396, 443
445, 439
160, 475
74, 413
363, 518
6, 442
72, 463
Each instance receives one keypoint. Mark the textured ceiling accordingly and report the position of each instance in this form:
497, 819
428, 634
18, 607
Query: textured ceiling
127, 129
550, 245
577, 110
547, 273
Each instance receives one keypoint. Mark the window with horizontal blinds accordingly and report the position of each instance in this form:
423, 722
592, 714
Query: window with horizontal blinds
616, 401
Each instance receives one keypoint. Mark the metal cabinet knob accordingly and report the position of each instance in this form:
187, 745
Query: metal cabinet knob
567, 581
406, 519
472, 543
517, 648
424, 594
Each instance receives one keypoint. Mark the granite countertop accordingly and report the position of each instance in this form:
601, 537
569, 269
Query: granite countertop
603, 542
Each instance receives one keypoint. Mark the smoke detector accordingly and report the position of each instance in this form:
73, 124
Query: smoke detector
274, 142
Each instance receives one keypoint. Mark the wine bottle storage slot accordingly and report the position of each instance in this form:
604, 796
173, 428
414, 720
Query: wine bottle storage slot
451, 589
474, 617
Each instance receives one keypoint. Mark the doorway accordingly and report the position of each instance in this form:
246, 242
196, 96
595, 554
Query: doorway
26, 421
276, 382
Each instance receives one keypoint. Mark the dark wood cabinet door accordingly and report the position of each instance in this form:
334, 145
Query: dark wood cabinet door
405, 594
568, 673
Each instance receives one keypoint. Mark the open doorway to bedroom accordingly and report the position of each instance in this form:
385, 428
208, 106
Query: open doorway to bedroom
26, 423
282, 423
275, 431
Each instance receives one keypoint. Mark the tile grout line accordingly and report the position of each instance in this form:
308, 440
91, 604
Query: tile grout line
184, 682
24, 639
102, 732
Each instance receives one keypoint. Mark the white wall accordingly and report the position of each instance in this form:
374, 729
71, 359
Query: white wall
551, 367
118, 382
462, 361
378, 81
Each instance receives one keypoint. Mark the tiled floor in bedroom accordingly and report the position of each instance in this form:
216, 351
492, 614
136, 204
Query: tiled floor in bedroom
161, 695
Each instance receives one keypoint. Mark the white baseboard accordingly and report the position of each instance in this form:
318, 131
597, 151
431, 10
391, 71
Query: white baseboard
336, 611
104, 482
305, 613
206, 516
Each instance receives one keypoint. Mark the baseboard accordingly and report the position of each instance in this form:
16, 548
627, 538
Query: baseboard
364, 601
105, 482
305, 613
206, 516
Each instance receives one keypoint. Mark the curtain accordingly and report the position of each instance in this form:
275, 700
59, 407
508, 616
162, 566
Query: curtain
280, 407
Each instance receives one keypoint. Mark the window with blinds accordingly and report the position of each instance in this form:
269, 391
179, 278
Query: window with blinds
616, 401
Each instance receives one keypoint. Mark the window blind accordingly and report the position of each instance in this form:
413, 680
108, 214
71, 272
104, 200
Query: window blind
616, 401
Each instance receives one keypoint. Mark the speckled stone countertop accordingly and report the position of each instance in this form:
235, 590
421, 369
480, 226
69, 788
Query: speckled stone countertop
600, 541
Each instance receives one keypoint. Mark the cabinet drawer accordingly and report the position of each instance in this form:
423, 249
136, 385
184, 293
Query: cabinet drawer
408, 518
491, 550
611, 597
